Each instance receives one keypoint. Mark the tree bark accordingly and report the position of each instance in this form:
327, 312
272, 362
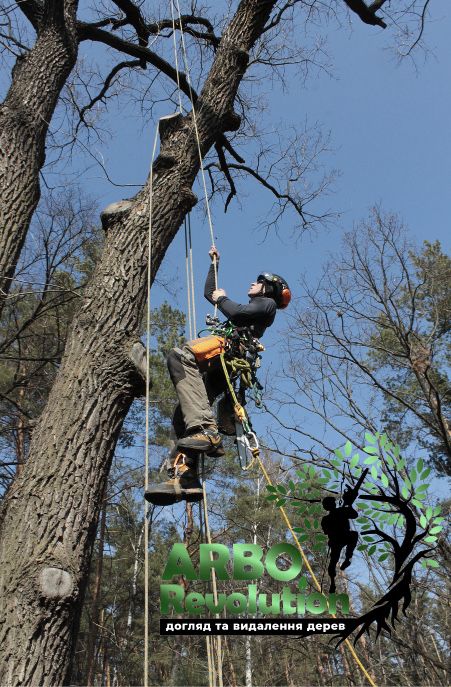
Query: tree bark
248, 663
25, 114
95, 612
20, 437
49, 516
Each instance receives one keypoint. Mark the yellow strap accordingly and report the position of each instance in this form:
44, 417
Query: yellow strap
229, 383
314, 578
293, 533
255, 454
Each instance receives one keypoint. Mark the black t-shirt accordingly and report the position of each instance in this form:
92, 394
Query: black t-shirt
258, 314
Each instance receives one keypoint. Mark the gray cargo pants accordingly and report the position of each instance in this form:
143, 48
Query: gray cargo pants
195, 393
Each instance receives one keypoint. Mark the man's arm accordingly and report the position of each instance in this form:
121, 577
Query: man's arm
242, 315
210, 284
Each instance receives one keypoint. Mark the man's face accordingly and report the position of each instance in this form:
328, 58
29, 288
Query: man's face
257, 289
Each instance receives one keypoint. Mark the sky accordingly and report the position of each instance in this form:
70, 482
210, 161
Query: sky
389, 126
390, 141
389, 130
389, 138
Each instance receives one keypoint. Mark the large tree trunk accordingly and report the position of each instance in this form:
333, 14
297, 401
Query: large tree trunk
49, 516
37, 81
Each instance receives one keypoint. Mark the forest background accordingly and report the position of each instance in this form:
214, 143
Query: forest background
363, 133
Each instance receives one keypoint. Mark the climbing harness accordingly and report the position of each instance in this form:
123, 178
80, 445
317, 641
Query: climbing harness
239, 354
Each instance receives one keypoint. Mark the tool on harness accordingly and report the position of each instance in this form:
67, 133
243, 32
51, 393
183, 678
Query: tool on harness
207, 347
241, 353
247, 445
246, 440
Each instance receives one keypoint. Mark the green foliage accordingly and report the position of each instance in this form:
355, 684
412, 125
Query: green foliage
392, 484
423, 306
305, 499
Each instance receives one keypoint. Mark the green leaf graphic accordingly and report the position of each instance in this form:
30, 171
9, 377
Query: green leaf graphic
354, 460
369, 461
390, 461
303, 583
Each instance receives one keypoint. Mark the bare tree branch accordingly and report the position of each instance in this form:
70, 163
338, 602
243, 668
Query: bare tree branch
367, 13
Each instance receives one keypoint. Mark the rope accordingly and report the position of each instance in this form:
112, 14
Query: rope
179, 92
201, 161
217, 639
147, 408
256, 455
256, 452
191, 268
203, 538
313, 576
213, 672
188, 284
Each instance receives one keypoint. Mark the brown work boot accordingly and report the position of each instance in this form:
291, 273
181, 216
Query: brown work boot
202, 441
183, 483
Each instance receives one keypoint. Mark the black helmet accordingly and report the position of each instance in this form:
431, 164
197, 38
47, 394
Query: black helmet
279, 290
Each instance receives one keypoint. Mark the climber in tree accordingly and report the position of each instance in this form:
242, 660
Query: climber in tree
338, 529
197, 375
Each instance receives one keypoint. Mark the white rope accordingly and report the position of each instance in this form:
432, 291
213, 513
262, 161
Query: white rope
217, 670
204, 183
179, 92
188, 283
193, 291
192, 328
147, 447
216, 640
